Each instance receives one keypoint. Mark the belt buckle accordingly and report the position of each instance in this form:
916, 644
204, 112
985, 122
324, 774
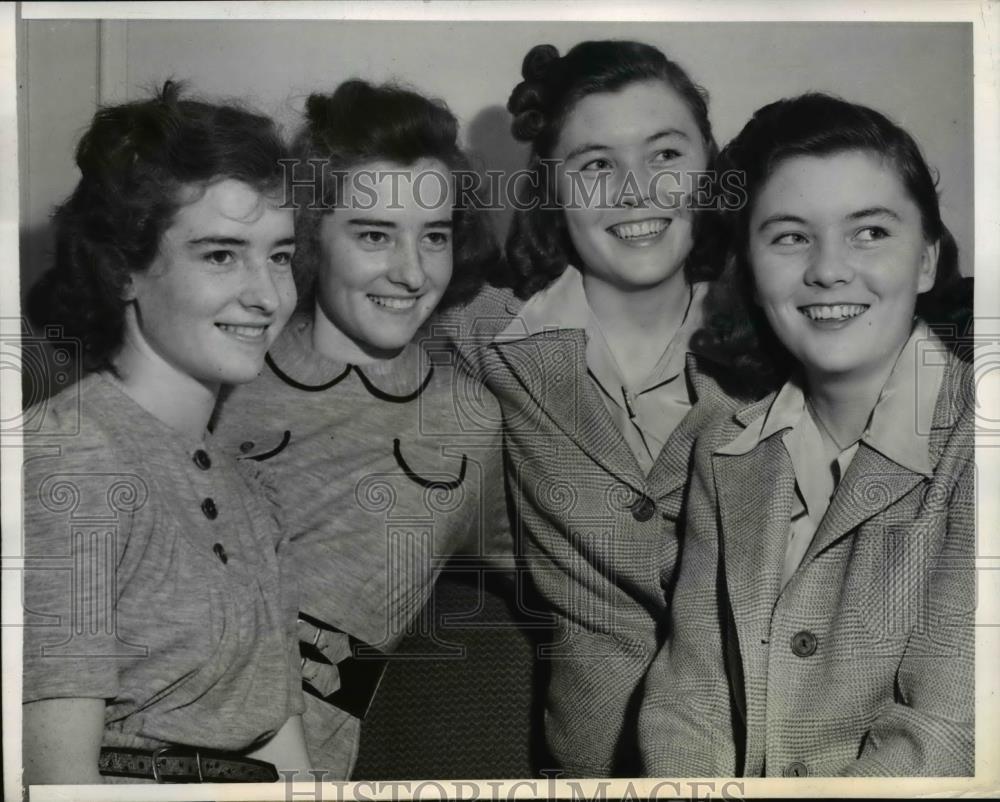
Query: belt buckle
174, 751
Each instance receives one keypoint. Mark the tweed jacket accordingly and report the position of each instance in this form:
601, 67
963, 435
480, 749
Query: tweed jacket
863, 663
596, 535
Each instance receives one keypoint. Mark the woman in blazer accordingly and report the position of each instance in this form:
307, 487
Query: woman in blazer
823, 616
586, 350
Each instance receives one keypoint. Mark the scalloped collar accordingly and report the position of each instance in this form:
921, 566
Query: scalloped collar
295, 362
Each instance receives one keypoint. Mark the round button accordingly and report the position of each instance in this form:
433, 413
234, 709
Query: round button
220, 552
202, 460
211, 511
246, 445
643, 509
796, 769
803, 643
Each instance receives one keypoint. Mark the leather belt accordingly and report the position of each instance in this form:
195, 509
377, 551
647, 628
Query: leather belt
182, 764
360, 673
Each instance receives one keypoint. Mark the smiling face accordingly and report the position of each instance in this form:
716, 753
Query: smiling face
624, 181
219, 290
386, 258
838, 256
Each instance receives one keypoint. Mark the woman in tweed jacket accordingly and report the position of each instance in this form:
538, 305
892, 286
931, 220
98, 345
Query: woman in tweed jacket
586, 351
823, 616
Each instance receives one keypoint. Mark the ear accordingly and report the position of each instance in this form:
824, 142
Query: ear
128, 290
928, 267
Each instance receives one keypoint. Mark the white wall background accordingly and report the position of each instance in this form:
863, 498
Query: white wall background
920, 74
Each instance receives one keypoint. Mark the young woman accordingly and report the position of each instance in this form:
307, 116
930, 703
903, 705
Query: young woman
159, 641
586, 351
380, 451
823, 617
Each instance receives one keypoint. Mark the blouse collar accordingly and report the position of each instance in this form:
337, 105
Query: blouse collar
293, 359
899, 425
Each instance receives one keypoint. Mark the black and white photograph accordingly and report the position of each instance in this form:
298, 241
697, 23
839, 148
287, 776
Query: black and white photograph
487, 400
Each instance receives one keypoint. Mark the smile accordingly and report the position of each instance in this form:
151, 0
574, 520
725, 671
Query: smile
250, 333
641, 229
398, 304
833, 311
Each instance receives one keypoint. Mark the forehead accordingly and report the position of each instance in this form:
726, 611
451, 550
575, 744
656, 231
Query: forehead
227, 203
422, 189
631, 114
835, 184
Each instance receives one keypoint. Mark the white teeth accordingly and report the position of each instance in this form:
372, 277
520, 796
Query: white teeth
392, 303
253, 332
833, 312
643, 228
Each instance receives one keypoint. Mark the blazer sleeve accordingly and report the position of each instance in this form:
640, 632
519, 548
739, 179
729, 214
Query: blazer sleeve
686, 718
929, 730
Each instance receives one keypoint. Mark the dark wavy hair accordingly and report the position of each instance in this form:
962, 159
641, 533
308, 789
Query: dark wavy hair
815, 124
360, 123
138, 163
538, 245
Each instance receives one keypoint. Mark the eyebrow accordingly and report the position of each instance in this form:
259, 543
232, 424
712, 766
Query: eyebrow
872, 211
586, 147
376, 223
214, 239
780, 218
235, 242
371, 221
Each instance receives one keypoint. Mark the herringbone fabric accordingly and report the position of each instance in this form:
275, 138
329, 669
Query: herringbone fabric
597, 535
863, 664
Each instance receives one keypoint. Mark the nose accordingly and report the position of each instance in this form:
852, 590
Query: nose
633, 188
406, 267
259, 289
829, 264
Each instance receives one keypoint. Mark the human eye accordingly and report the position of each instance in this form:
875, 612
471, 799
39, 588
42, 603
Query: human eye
789, 239
598, 165
219, 258
282, 258
438, 240
871, 234
666, 155
373, 238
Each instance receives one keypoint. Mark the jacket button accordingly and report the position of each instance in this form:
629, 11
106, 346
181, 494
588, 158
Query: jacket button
211, 511
643, 509
202, 460
246, 445
796, 769
803, 644
220, 552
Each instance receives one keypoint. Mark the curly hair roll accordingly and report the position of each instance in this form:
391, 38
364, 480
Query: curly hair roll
538, 247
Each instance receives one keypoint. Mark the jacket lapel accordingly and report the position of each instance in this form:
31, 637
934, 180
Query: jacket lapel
552, 368
871, 484
673, 464
755, 492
